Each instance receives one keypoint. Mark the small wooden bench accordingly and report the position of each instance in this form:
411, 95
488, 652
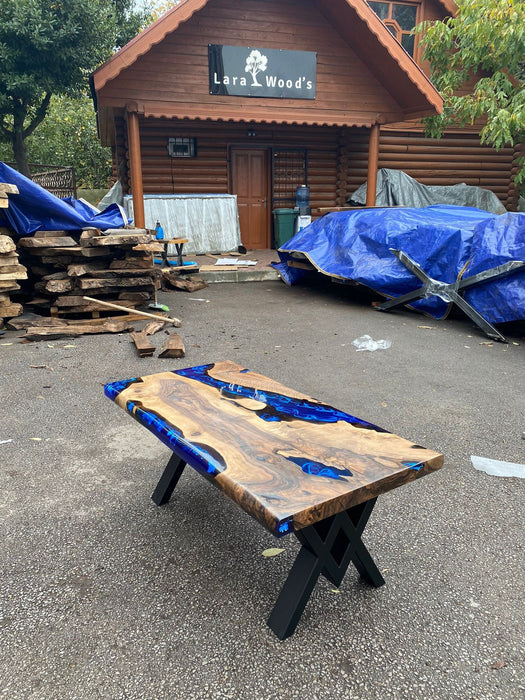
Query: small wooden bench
293, 463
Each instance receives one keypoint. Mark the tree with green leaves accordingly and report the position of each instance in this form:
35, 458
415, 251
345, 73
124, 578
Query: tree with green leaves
49, 47
482, 46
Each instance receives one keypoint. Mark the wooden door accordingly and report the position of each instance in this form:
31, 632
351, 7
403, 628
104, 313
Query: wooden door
251, 184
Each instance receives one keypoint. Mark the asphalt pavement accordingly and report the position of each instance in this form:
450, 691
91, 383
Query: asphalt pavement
105, 595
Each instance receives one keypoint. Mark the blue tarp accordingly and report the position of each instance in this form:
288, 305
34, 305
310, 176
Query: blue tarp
443, 240
36, 209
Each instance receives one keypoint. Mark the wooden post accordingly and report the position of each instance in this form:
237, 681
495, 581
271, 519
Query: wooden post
373, 159
136, 169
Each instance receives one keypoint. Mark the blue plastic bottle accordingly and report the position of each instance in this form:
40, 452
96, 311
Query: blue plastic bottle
159, 232
302, 198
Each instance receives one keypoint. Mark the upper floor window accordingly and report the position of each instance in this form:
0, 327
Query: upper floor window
400, 18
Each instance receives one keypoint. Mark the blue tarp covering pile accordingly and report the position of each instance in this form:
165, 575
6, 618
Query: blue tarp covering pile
446, 241
36, 209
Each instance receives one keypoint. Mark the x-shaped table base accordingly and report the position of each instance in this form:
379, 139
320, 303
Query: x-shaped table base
450, 292
328, 547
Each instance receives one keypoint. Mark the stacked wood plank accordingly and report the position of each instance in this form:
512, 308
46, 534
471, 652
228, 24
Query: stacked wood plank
10, 272
115, 266
5, 189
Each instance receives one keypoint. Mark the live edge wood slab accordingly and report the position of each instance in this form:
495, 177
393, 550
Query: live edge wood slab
292, 462
285, 458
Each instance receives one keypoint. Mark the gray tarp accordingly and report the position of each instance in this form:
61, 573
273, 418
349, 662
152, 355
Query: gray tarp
396, 188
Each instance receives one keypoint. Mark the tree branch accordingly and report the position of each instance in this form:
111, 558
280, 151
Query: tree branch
5, 132
39, 116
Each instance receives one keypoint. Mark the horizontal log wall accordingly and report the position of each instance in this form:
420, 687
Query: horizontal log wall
337, 159
209, 172
453, 159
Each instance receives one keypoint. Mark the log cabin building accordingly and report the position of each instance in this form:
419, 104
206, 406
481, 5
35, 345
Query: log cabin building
254, 98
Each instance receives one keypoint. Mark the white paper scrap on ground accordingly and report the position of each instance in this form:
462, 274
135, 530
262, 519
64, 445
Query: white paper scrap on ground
227, 261
365, 342
246, 262
497, 468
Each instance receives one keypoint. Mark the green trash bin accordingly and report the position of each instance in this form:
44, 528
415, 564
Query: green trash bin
284, 225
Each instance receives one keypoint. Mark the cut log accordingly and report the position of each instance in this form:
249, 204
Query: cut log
7, 245
132, 262
93, 283
128, 230
173, 347
62, 262
59, 286
113, 291
78, 304
186, 285
142, 344
82, 269
133, 296
96, 252
28, 319
152, 247
153, 327
53, 242
49, 234
8, 285
8, 188
8, 259
113, 274
61, 275
20, 273
10, 310
124, 239
55, 255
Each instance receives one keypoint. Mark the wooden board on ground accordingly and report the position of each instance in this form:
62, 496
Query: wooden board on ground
192, 284
173, 347
142, 344
153, 327
61, 331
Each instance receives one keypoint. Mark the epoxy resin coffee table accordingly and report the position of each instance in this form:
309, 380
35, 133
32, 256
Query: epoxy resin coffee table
292, 462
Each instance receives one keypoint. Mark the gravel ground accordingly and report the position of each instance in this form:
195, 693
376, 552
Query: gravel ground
105, 595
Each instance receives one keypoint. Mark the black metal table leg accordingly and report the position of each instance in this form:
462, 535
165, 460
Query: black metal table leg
178, 247
328, 547
168, 481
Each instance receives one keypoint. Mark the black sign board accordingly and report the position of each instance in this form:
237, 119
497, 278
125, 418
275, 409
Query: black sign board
254, 72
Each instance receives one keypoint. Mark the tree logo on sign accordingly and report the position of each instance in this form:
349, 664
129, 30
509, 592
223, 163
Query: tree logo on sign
255, 63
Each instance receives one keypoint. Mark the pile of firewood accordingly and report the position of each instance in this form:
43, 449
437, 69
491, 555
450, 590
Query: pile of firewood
115, 266
10, 272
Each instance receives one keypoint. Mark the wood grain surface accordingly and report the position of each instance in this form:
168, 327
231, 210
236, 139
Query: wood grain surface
285, 458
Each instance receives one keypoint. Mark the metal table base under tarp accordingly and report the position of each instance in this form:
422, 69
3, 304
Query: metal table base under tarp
448, 244
450, 292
